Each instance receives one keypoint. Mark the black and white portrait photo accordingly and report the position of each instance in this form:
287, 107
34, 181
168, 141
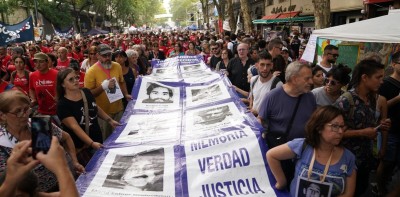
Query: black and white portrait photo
312, 188
213, 115
206, 93
191, 68
158, 94
143, 171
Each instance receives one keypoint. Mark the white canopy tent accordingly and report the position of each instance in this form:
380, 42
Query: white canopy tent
384, 29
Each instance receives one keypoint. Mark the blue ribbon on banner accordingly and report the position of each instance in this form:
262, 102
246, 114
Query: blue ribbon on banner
20, 32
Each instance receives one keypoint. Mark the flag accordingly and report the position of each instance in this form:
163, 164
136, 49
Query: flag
64, 34
20, 32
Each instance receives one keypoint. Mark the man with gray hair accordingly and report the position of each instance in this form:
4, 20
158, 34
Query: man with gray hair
101, 77
285, 110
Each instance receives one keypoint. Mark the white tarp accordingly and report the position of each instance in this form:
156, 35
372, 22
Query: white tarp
384, 29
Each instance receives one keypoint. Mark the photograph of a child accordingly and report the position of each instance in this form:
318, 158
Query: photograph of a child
143, 171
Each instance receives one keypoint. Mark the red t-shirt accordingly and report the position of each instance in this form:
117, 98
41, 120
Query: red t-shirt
62, 65
11, 68
4, 61
137, 40
21, 82
44, 86
81, 79
44, 49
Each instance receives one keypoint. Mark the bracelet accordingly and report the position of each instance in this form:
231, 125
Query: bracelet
91, 144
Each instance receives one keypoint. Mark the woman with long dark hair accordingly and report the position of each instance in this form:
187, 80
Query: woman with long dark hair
71, 101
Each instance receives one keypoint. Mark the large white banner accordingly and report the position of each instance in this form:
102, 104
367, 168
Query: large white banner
185, 133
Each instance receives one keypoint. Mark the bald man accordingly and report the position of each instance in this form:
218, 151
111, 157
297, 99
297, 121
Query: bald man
62, 61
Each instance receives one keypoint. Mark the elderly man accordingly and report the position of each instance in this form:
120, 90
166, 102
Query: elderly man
102, 77
63, 60
237, 70
285, 110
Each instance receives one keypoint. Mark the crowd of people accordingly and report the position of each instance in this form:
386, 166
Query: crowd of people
320, 123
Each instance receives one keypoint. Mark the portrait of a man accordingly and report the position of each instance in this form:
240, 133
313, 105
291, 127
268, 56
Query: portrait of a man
201, 94
312, 188
143, 171
213, 115
158, 94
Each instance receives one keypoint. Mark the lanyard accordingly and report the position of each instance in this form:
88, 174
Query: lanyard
322, 179
107, 71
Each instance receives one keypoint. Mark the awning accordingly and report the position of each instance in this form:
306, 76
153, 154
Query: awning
376, 1
285, 20
288, 14
272, 16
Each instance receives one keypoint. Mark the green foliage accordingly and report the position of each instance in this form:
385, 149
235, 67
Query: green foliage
180, 9
58, 16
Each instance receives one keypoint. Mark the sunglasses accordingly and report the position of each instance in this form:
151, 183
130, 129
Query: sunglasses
331, 82
73, 79
92, 53
334, 54
214, 48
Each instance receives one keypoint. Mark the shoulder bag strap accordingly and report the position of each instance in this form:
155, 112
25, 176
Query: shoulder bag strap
293, 115
86, 112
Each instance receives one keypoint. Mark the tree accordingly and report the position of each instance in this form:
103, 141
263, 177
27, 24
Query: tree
232, 20
78, 6
220, 5
204, 8
181, 9
245, 8
322, 13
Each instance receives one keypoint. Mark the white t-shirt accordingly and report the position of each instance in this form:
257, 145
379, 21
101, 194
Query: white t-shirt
260, 90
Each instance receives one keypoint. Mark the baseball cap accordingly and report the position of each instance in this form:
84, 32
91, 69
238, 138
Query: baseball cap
40, 56
285, 49
103, 49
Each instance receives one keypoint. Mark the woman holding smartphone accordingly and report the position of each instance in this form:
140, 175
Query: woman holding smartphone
71, 111
15, 127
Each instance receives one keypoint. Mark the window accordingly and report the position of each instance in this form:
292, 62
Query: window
352, 19
270, 2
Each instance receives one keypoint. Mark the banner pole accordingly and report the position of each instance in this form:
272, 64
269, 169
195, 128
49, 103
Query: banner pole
36, 14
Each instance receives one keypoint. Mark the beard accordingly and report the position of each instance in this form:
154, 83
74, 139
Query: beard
106, 65
331, 61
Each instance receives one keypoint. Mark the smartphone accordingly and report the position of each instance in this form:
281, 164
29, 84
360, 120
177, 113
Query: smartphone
41, 134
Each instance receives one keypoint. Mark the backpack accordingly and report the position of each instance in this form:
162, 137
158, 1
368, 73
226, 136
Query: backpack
234, 48
349, 97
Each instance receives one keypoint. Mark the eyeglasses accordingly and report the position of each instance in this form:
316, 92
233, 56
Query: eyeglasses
214, 48
280, 48
39, 61
20, 113
106, 55
335, 127
92, 53
331, 82
73, 79
335, 55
